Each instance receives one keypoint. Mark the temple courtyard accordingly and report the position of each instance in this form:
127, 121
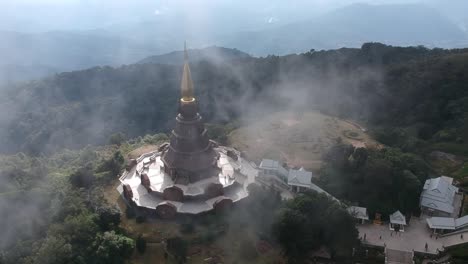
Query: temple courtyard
415, 237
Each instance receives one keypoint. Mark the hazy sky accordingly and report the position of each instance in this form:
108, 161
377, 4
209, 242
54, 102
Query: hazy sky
44, 15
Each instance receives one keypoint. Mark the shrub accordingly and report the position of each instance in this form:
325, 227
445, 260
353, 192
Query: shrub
83, 177
141, 244
130, 212
117, 139
141, 219
208, 237
187, 228
177, 247
247, 250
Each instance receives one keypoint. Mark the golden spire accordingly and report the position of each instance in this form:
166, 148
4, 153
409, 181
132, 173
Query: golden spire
186, 84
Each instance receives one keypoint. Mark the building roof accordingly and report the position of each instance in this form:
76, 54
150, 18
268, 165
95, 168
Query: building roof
268, 164
461, 222
447, 223
233, 182
398, 218
447, 179
300, 178
438, 194
358, 212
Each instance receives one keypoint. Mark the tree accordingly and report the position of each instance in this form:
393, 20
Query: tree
117, 139
338, 155
83, 177
311, 220
177, 247
112, 165
109, 217
247, 250
79, 230
111, 247
294, 236
359, 158
384, 181
54, 250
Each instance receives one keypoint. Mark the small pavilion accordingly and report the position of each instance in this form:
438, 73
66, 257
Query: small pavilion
397, 222
359, 213
299, 180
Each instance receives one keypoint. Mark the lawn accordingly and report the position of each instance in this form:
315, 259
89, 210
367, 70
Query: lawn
297, 139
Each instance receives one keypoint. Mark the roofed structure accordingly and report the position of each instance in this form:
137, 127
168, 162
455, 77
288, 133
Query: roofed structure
301, 178
358, 212
397, 221
297, 180
270, 167
446, 224
438, 196
398, 218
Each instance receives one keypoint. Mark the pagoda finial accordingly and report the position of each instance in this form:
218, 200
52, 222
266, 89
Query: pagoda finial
186, 84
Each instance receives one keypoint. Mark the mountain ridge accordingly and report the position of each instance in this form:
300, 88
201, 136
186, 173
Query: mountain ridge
214, 53
350, 26
353, 25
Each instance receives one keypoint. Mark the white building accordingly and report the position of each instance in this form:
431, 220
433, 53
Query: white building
359, 213
397, 222
299, 180
271, 171
439, 197
440, 225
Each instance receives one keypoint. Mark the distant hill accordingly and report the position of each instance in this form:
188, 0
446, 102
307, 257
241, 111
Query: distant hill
10, 74
213, 54
27, 56
68, 50
351, 26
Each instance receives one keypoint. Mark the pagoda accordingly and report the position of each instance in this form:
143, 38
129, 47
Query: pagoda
190, 155
191, 174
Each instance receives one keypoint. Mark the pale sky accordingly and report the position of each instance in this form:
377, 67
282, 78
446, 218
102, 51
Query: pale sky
45, 15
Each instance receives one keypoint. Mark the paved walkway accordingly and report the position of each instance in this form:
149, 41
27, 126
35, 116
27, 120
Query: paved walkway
415, 237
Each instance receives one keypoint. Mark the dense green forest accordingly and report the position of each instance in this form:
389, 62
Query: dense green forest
382, 180
419, 93
413, 99
55, 210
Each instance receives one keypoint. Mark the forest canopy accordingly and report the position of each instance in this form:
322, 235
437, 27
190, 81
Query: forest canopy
410, 95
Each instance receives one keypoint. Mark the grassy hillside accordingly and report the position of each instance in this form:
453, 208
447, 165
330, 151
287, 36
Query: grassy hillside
298, 139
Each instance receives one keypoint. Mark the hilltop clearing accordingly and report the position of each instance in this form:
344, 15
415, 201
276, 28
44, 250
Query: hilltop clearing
299, 139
